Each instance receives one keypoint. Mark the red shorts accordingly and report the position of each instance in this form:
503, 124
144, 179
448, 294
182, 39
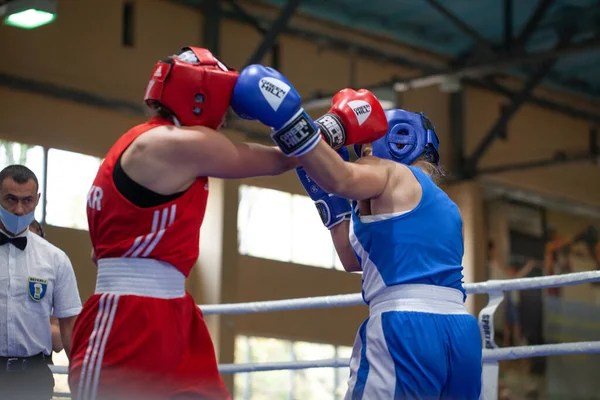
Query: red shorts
132, 347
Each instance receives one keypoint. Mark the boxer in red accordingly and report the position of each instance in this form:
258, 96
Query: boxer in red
141, 336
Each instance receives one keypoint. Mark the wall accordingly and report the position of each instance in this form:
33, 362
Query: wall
557, 243
81, 50
534, 134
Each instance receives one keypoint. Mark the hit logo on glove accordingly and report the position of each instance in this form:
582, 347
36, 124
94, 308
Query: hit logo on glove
274, 91
264, 94
355, 117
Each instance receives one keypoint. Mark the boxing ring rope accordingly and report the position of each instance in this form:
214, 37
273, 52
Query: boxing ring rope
346, 300
491, 353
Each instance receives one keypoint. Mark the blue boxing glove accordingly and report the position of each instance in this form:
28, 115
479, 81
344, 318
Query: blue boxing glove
332, 209
262, 93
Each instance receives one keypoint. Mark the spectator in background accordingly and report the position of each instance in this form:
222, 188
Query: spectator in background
500, 271
36, 279
557, 259
57, 345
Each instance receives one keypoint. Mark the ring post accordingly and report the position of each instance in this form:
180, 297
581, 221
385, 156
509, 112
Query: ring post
491, 369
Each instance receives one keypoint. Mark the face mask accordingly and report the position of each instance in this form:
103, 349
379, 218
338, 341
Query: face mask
15, 224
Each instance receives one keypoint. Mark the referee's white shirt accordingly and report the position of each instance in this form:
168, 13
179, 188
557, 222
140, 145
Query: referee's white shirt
34, 283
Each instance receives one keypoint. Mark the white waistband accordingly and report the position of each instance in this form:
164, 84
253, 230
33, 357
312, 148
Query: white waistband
139, 277
418, 298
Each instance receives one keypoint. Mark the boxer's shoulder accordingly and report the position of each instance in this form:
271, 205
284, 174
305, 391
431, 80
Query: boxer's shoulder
169, 138
402, 190
399, 175
160, 158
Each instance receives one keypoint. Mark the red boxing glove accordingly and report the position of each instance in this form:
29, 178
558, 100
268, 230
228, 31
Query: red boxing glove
354, 118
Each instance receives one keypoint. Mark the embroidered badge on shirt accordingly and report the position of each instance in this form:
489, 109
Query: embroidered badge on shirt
37, 288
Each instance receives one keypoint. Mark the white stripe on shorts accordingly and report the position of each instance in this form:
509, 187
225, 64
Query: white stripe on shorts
92, 362
381, 379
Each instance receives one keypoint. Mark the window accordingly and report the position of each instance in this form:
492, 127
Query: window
30, 156
280, 226
61, 381
262, 385
311, 243
342, 374
315, 383
309, 384
70, 176
264, 223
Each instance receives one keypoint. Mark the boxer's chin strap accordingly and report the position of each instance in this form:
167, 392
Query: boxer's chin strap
176, 121
491, 369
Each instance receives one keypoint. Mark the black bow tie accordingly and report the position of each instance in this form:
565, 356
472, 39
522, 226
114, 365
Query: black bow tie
19, 242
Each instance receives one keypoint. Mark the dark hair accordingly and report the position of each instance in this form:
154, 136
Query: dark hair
155, 109
18, 173
35, 224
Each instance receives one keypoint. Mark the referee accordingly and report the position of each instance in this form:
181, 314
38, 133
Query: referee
36, 281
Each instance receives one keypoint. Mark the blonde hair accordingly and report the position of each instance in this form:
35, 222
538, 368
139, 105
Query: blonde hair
436, 172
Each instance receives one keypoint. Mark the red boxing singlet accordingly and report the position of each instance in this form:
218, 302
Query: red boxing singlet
169, 232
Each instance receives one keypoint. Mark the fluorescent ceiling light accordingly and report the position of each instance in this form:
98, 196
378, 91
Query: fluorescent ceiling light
29, 19
29, 14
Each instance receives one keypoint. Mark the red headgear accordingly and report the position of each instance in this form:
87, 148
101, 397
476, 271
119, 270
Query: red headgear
197, 92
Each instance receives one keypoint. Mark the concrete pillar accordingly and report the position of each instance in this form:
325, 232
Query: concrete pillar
229, 281
469, 198
213, 279
499, 230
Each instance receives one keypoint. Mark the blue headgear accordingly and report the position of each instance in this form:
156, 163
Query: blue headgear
409, 135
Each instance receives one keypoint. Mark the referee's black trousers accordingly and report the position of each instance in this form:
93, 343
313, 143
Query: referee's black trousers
26, 379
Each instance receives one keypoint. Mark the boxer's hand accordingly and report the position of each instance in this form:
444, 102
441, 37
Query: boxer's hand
332, 209
355, 117
264, 94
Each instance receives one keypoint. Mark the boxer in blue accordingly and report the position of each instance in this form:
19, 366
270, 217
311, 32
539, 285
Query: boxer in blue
405, 235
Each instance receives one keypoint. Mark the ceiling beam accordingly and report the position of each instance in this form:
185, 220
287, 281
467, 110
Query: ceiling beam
507, 114
276, 28
501, 63
69, 94
532, 23
482, 42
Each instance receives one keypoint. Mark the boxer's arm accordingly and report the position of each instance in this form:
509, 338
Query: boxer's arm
365, 179
57, 344
246, 160
340, 236
210, 153
66, 332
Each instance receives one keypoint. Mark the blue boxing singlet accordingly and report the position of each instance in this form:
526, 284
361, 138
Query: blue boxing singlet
421, 246
419, 341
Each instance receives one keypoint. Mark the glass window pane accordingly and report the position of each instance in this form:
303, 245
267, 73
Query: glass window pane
316, 383
241, 355
61, 381
343, 374
279, 226
311, 241
313, 351
338, 263
265, 223
30, 156
273, 384
70, 176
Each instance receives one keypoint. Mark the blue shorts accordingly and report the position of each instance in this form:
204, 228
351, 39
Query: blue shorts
416, 355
